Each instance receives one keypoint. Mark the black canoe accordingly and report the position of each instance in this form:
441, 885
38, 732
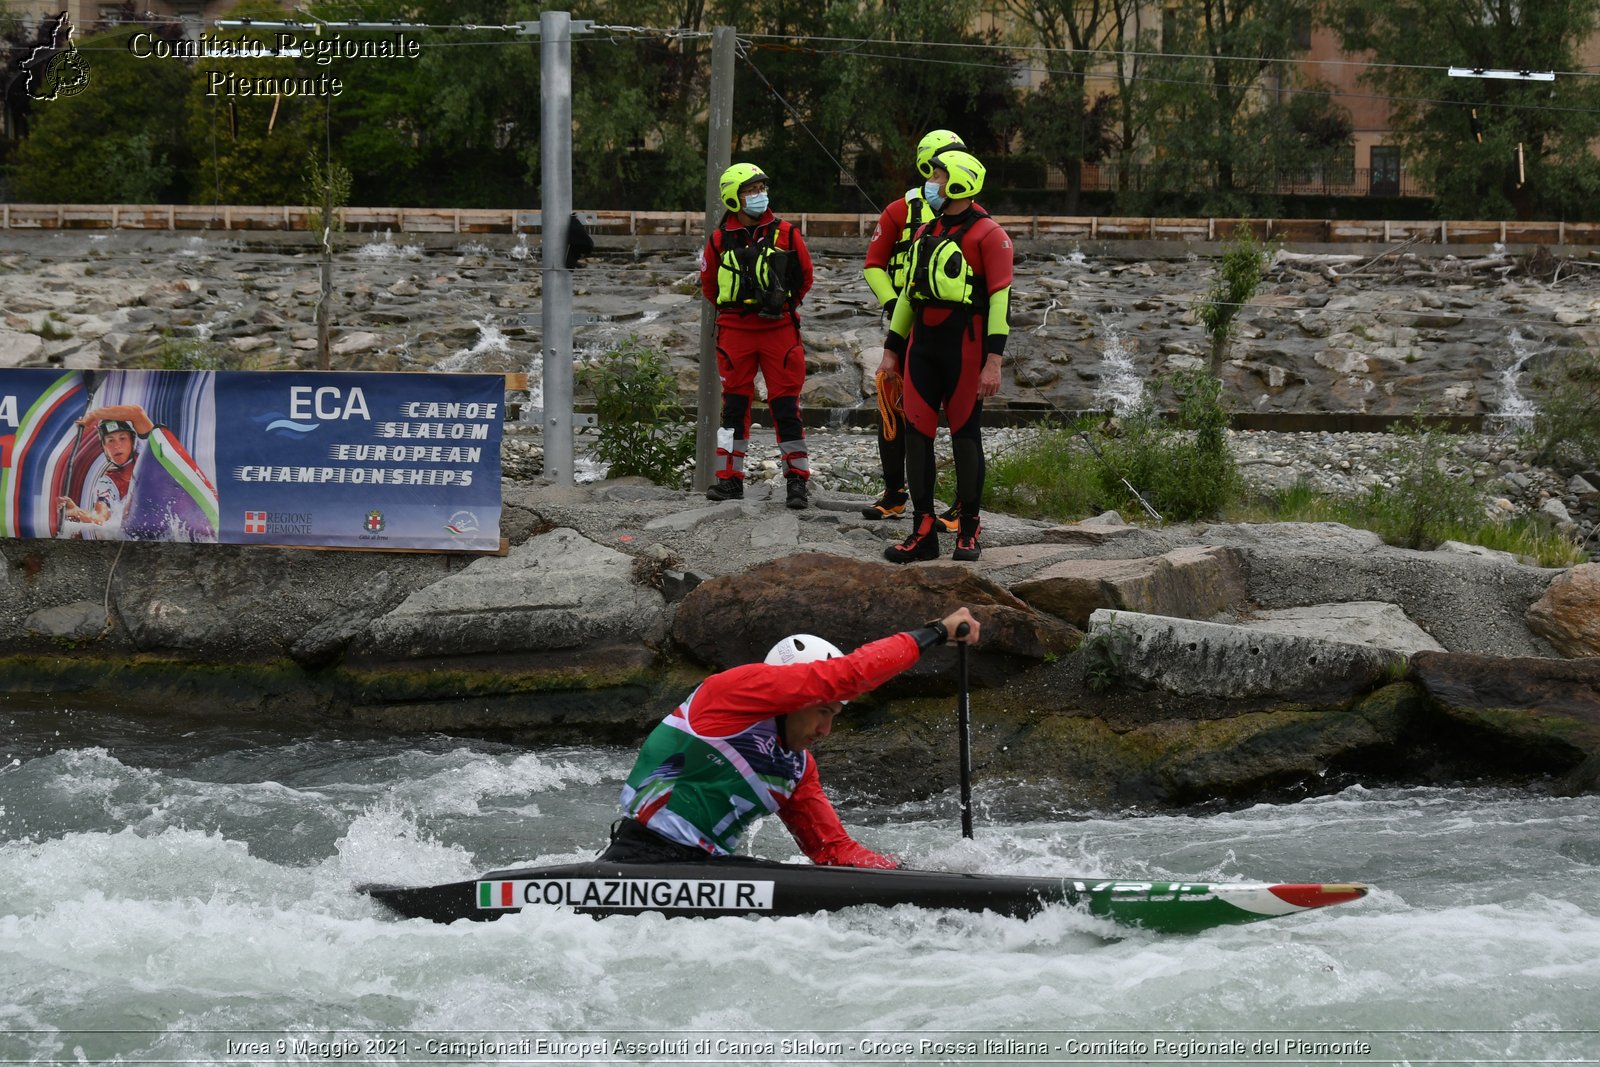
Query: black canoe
763, 887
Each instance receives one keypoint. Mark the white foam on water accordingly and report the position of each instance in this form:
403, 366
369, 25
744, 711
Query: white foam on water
385, 250
491, 341
156, 901
1121, 389
1511, 405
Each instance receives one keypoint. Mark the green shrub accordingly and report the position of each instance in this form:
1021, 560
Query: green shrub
643, 427
187, 353
1185, 471
1429, 499
1049, 476
1244, 263
1524, 536
1567, 427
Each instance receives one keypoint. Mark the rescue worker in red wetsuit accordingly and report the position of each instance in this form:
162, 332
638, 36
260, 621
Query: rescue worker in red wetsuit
949, 333
756, 269
737, 749
885, 271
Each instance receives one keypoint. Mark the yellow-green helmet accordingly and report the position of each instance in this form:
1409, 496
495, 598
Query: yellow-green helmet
735, 178
931, 145
966, 174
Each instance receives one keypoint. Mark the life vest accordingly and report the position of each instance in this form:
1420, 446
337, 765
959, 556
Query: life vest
918, 214
705, 792
756, 277
939, 275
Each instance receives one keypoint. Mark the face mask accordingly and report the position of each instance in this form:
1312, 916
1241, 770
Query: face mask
755, 205
933, 194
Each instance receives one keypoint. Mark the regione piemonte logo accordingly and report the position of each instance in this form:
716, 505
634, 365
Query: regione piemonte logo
56, 70
255, 522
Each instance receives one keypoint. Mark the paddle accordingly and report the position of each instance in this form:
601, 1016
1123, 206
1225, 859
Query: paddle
964, 722
66, 483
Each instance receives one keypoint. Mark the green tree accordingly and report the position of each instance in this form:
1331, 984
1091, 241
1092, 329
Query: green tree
1556, 124
121, 140
639, 136
1221, 93
1132, 43
458, 125
1238, 276
251, 149
1060, 120
904, 69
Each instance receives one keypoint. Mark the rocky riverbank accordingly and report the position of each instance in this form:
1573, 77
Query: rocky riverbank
1410, 333
616, 597
1414, 332
1288, 658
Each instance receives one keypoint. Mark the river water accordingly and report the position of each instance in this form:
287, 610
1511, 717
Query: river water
183, 892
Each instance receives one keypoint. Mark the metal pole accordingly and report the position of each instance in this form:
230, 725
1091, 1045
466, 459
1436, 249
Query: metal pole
719, 153
555, 207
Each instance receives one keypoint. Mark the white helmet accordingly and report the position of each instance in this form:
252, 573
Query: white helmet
801, 648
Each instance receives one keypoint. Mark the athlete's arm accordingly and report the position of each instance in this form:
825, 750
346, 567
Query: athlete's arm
129, 413
728, 702
818, 831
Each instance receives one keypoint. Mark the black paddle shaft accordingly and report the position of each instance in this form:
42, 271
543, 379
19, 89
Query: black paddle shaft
964, 722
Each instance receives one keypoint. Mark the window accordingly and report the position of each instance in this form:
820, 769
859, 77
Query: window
1385, 179
1300, 33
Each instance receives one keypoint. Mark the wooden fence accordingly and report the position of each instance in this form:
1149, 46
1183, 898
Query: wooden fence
186, 217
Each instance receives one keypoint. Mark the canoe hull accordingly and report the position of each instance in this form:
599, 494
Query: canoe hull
757, 887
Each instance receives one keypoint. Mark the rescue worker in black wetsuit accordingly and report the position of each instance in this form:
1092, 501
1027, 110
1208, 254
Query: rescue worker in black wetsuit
888, 254
949, 333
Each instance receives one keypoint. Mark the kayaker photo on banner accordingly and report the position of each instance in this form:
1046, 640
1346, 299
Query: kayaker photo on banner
739, 748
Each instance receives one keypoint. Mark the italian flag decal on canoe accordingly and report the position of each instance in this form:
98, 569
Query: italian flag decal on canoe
1178, 907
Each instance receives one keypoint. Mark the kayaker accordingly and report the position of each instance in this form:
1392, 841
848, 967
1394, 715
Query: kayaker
738, 748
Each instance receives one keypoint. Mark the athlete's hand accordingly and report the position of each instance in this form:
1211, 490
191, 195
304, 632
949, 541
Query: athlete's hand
73, 511
989, 379
953, 620
889, 364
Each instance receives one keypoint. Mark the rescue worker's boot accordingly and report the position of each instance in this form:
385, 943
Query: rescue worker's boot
888, 506
967, 549
726, 489
951, 520
798, 500
922, 543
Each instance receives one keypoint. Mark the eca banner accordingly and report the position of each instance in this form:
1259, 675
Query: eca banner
243, 457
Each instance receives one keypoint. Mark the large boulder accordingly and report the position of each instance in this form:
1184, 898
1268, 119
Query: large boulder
557, 591
1538, 714
1232, 662
17, 349
1083, 758
1362, 622
1186, 583
736, 618
1466, 603
1568, 615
